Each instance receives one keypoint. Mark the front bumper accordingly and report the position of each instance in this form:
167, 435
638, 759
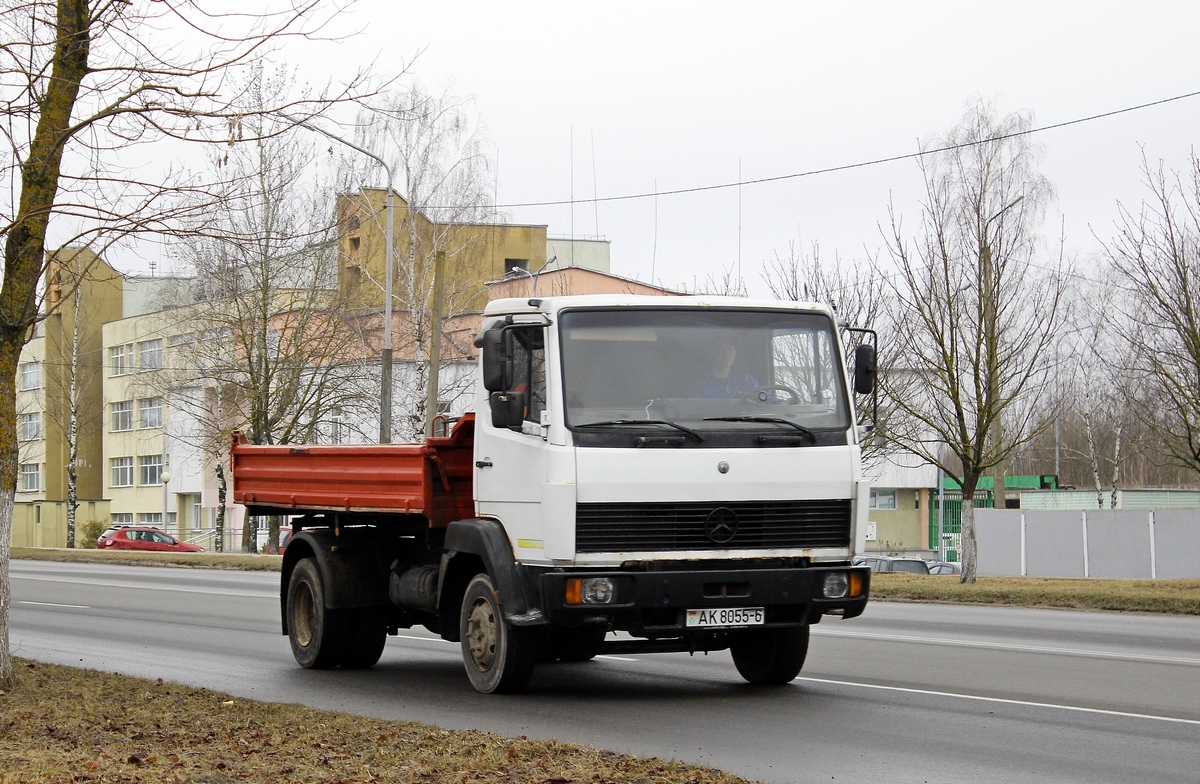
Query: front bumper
655, 603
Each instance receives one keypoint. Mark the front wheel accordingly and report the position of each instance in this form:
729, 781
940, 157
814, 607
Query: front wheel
771, 656
317, 634
498, 656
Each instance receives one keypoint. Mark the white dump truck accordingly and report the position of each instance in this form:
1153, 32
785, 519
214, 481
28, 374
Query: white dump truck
640, 474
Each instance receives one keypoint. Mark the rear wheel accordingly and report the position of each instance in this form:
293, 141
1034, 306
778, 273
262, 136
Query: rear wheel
366, 635
499, 657
770, 656
317, 634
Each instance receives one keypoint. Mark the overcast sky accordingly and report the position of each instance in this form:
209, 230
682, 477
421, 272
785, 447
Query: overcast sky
621, 98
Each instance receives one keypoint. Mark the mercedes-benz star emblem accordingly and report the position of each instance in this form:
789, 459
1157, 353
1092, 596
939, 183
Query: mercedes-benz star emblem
721, 525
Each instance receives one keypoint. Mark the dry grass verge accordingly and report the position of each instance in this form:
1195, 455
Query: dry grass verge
240, 561
65, 725
1181, 597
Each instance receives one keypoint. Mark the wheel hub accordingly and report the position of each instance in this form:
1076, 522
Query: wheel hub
303, 615
481, 634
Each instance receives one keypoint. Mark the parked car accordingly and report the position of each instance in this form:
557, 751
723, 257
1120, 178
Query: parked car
891, 563
140, 537
945, 567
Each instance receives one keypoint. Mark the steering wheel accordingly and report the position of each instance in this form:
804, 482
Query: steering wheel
762, 394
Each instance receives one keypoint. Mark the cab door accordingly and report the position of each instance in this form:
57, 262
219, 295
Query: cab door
510, 443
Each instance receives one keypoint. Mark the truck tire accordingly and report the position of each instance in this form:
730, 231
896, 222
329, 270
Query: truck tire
770, 656
499, 657
366, 635
317, 634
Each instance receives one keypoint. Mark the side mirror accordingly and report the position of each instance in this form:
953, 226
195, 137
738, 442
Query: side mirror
507, 409
496, 360
865, 369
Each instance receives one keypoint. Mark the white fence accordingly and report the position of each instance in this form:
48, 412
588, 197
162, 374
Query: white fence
1131, 544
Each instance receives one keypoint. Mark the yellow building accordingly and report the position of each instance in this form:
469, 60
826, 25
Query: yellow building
58, 380
475, 253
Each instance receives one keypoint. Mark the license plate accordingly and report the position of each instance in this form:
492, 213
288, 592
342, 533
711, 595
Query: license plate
726, 616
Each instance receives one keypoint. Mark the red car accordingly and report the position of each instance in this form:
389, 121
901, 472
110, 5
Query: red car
143, 538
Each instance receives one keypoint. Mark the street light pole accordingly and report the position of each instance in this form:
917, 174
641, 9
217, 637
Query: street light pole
385, 373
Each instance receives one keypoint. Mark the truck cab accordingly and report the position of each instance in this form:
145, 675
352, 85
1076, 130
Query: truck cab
683, 470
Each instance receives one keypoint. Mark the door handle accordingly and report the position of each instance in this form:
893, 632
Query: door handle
483, 463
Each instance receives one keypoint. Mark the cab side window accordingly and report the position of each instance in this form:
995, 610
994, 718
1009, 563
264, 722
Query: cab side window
529, 370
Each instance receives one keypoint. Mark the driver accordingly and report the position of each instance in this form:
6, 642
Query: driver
719, 378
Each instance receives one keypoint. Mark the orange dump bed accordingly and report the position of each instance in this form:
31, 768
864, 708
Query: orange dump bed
433, 479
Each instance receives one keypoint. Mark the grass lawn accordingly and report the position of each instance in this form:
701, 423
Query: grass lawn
60, 724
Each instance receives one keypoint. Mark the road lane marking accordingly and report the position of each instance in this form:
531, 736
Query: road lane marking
1004, 646
266, 593
1001, 700
52, 604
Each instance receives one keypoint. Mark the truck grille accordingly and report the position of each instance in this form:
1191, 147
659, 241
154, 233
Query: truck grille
712, 526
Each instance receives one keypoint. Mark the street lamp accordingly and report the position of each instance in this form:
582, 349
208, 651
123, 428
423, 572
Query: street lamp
385, 391
533, 275
165, 477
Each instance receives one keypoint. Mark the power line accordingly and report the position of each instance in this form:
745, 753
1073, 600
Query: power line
849, 166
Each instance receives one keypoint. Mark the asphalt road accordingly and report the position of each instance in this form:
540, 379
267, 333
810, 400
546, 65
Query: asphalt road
906, 693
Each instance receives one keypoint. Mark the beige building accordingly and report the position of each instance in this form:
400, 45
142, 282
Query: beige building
142, 458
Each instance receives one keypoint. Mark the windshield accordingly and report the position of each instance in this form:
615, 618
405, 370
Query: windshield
710, 371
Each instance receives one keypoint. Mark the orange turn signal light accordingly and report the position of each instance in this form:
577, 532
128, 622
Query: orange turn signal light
856, 583
574, 593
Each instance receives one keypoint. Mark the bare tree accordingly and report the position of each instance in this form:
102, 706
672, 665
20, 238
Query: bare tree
1156, 256
435, 146
85, 85
279, 343
853, 290
975, 307
727, 284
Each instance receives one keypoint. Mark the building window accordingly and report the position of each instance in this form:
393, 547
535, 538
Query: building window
511, 265
197, 512
883, 499
31, 375
337, 426
122, 472
29, 427
116, 361
150, 470
121, 518
150, 412
150, 355
149, 518
29, 478
122, 416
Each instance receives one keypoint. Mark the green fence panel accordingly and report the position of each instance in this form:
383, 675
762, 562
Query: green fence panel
948, 546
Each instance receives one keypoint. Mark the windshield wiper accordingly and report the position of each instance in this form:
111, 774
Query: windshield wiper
772, 420
605, 423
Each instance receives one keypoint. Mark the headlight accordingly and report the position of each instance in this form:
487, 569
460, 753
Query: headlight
590, 590
836, 586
